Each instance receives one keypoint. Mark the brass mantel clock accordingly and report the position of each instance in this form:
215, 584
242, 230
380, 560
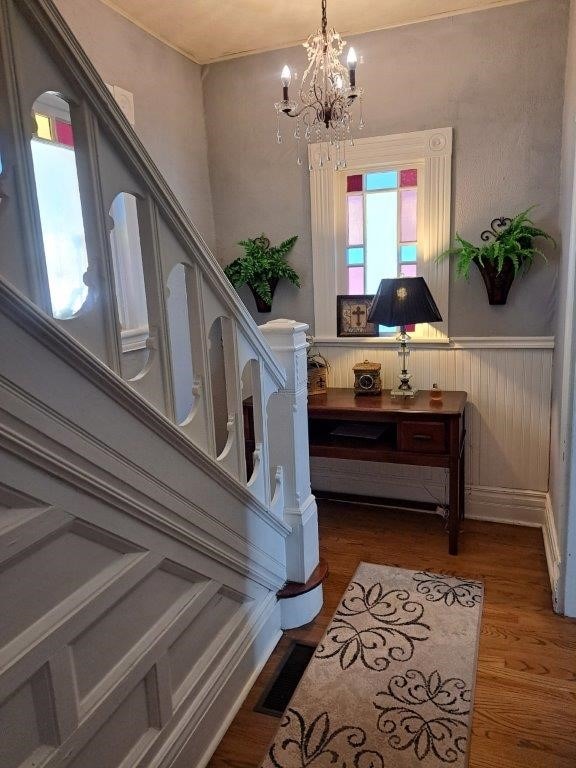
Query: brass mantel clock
367, 378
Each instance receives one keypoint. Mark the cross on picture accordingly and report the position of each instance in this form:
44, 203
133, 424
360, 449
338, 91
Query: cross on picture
352, 316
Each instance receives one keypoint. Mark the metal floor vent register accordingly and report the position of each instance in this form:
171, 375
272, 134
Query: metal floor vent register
281, 688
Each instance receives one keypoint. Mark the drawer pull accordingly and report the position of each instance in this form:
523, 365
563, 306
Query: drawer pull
422, 437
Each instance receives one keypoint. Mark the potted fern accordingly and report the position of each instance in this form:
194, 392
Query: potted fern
261, 267
509, 249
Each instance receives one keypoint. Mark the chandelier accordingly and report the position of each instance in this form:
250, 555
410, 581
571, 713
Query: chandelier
327, 91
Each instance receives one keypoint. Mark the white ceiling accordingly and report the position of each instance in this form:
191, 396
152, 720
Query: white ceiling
210, 30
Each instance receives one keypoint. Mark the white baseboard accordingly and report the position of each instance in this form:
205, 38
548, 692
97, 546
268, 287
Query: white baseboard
552, 547
512, 506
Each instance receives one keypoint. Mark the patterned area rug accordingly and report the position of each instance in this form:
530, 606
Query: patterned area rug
391, 683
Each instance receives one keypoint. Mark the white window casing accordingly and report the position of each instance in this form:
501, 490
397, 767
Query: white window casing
430, 152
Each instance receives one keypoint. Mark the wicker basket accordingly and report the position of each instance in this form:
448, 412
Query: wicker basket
317, 370
317, 379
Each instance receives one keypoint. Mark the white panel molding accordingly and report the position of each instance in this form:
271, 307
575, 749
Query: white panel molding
430, 152
455, 342
30, 530
32, 411
39, 453
241, 685
502, 342
552, 547
233, 647
52, 337
37, 643
192, 740
154, 643
508, 411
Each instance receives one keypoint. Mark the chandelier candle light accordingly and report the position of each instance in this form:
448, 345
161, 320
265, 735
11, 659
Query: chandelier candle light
327, 91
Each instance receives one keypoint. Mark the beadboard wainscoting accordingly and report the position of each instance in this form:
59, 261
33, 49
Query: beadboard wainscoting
508, 381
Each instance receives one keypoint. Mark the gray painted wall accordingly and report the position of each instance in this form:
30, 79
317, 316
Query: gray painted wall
167, 90
496, 76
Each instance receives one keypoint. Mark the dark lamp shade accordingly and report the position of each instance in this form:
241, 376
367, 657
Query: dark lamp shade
403, 301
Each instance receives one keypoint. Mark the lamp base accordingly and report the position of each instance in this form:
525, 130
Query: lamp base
404, 388
403, 392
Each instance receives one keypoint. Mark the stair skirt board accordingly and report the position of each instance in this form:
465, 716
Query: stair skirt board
193, 740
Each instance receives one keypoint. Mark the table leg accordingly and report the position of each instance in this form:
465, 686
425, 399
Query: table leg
454, 508
462, 481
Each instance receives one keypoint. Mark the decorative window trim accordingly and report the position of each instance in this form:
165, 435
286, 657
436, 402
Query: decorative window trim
428, 151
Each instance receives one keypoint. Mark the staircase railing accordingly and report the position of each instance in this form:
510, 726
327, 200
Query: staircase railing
227, 355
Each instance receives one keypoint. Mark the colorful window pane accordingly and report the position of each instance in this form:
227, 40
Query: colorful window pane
355, 257
59, 205
355, 219
356, 280
381, 180
354, 183
408, 270
408, 212
64, 133
381, 238
43, 127
408, 253
410, 328
409, 178
382, 230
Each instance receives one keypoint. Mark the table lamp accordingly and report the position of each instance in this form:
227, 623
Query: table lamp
403, 301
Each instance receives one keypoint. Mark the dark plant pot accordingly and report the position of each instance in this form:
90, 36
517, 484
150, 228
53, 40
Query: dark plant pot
497, 283
261, 305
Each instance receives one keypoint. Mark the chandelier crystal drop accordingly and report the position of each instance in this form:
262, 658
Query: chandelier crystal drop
327, 91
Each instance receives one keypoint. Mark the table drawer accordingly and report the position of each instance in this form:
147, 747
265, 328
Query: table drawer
422, 436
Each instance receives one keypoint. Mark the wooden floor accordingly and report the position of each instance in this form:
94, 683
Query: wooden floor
525, 704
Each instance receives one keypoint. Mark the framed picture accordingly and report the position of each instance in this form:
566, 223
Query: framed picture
352, 316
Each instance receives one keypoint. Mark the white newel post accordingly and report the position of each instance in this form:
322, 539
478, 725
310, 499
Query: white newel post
288, 446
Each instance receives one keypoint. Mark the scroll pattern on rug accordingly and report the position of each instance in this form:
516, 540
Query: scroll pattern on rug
391, 683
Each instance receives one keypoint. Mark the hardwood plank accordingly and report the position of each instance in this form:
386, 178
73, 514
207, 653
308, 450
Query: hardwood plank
526, 685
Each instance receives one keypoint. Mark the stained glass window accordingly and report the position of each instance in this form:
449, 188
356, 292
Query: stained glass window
408, 253
356, 280
355, 257
355, 219
354, 183
64, 133
43, 127
408, 215
381, 180
409, 178
382, 228
59, 205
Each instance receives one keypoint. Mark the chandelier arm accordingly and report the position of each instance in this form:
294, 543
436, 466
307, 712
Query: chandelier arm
291, 112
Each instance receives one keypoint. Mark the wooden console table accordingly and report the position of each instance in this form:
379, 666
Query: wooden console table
409, 431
